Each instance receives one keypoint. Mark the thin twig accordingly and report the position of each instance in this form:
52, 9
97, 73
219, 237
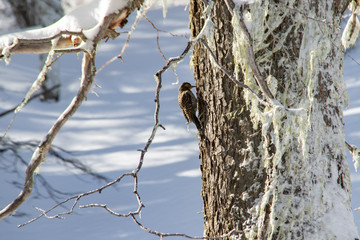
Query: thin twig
250, 56
43, 148
133, 174
158, 44
88, 73
162, 235
41, 77
232, 78
144, 11
30, 99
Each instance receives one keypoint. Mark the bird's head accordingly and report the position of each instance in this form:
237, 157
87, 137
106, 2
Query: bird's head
185, 86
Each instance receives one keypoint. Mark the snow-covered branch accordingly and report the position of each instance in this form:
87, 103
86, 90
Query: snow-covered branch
85, 27
250, 56
81, 28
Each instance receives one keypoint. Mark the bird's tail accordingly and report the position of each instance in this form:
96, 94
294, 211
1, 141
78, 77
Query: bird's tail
198, 125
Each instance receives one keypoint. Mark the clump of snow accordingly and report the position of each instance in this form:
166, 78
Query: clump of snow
242, 2
354, 7
355, 153
352, 28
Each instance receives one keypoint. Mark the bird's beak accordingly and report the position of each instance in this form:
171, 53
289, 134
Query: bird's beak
192, 87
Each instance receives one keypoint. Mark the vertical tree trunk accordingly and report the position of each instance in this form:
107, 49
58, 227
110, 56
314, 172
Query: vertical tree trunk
274, 173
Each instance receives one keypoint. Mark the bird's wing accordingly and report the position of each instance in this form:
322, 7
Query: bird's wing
187, 104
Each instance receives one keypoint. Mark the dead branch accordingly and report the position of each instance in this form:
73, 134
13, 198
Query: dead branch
88, 73
64, 38
43, 148
232, 78
162, 235
31, 98
133, 174
250, 56
144, 11
158, 44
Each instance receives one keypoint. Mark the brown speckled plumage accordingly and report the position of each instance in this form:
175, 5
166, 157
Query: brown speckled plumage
188, 104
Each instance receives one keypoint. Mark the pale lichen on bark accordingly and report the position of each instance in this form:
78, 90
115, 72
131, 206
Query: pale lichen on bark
307, 166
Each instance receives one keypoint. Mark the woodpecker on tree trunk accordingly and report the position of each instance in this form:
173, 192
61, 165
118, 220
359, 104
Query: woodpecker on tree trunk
188, 104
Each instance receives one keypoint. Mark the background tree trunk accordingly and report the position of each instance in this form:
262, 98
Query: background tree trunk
271, 173
41, 13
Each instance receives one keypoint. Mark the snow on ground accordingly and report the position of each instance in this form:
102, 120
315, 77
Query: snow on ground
109, 128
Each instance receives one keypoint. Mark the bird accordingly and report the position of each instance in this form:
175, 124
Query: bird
188, 104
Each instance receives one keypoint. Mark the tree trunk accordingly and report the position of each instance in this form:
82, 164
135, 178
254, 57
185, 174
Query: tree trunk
274, 173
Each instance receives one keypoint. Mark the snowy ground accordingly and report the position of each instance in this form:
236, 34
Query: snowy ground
109, 128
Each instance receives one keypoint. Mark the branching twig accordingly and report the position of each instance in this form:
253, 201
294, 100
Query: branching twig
30, 99
77, 199
233, 79
36, 85
162, 235
158, 44
88, 73
144, 11
133, 174
43, 148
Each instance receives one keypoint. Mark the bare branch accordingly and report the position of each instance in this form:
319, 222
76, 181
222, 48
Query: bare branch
144, 11
158, 44
161, 234
351, 148
133, 174
31, 98
39, 154
250, 56
232, 78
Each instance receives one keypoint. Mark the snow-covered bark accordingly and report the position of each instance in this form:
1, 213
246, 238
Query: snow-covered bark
308, 187
292, 181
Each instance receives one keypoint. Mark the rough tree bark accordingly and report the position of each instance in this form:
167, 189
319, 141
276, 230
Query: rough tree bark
274, 173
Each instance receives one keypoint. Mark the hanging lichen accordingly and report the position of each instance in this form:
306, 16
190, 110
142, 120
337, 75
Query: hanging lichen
307, 131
